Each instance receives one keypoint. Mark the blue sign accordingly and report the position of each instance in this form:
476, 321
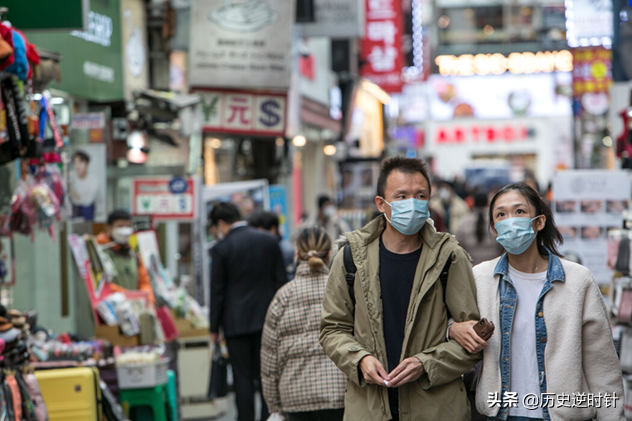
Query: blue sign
278, 205
178, 185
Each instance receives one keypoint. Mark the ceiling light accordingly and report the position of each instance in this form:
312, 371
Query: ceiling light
329, 150
215, 143
299, 141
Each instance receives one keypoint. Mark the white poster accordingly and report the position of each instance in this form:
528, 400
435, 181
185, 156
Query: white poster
586, 204
241, 43
87, 186
336, 19
589, 22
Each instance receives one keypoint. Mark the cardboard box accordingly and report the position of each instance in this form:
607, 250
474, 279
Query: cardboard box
113, 335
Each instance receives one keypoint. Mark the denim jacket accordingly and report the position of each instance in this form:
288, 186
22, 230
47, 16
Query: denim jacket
508, 300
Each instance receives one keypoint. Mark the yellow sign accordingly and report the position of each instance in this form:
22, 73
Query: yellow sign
496, 64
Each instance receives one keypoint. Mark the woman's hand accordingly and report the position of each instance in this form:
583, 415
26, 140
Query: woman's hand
465, 335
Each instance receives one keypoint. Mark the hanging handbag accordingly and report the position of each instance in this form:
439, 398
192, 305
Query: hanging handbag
28, 408
219, 374
35, 393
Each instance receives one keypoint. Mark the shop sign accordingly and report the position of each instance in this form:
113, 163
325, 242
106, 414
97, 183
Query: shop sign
242, 112
589, 23
497, 64
588, 204
593, 71
483, 133
278, 205
381, 47
493, 97
158, 197
135, 60
92, 65
88, 121
38, 15
315, 69
336, 19
237, 44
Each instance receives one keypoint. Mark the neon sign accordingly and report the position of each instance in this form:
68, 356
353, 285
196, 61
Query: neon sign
496, 64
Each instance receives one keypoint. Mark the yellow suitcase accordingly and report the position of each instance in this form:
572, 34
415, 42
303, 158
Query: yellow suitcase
71, 394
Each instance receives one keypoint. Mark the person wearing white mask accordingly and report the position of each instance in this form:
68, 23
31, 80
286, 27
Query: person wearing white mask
131, 273
327, 217
385, 326
553, 344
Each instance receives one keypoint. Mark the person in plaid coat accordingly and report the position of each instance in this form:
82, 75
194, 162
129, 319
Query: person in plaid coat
297, 377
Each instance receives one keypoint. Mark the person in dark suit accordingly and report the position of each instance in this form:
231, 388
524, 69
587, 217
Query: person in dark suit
247, 269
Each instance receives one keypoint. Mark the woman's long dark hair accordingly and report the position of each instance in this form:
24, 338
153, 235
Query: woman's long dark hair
550, 237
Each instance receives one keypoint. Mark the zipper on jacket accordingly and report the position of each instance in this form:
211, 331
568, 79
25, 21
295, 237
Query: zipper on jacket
541, 378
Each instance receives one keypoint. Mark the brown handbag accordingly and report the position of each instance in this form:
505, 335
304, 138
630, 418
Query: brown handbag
484, 329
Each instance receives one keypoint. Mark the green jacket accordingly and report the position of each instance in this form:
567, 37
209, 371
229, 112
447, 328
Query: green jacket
346, 338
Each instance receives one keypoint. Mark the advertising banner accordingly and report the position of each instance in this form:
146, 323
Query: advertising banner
336, 19
241, 44
592, 71
164, 198
381, 48
92, 64
278, 205
243, 112
587, 204
88, 183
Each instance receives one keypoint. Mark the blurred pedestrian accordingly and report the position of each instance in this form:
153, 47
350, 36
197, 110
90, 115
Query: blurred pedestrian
385, 327
449, 206
246, 271
298, 378
474, 235
131, 273
327, 217
269, 222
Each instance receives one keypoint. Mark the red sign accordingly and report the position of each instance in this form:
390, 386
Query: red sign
592, 70
507, 133
382, 44
164, 198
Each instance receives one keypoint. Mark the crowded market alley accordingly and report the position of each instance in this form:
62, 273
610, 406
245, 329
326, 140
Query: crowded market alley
315, 210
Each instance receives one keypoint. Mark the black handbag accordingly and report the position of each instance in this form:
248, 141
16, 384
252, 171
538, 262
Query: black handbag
219, 374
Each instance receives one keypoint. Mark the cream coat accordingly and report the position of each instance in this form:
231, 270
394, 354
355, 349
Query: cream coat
579, 356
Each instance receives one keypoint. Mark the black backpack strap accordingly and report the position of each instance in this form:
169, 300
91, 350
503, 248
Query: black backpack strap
445, 272
350, 268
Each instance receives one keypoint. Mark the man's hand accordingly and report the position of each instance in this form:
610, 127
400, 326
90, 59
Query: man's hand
214, 338
407, 371
373, 371
465, 335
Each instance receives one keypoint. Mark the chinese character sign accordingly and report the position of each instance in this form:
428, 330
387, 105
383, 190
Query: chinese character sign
592, 70
382, 45
243, 112
164, 198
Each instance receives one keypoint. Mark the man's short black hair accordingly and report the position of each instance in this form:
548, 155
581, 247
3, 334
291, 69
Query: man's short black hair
119, 215
322, 200
268, 220
224, 211
82, 156
401, 164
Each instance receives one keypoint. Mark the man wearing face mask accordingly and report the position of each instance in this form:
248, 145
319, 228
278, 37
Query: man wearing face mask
385, 327
131, 273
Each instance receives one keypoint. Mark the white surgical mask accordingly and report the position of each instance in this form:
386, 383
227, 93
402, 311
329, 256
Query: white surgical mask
121, 235
330, 211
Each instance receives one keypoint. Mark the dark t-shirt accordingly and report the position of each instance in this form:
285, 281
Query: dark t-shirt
397, 275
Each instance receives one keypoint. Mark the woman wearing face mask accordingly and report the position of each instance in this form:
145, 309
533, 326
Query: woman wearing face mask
552, 352
131, 273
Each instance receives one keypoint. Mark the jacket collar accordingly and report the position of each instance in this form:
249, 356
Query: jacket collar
304, 270
555, 271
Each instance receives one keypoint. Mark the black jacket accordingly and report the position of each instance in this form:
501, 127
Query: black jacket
247, 269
